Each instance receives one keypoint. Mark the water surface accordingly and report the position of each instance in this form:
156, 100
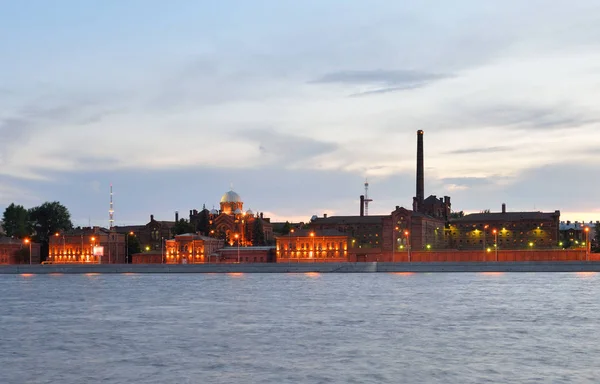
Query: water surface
300, 328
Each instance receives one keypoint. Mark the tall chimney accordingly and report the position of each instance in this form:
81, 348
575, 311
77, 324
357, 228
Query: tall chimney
420, 170
176, 216
503, 208
362, 205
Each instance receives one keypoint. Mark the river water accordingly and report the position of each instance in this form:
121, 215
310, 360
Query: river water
300, 328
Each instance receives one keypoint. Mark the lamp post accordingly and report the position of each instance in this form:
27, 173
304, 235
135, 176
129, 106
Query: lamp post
406, 233
312, 234
587, 243
484, 242
290, 243
496, 242
394, 230
238, 246
28, 241
93, 244
162, 250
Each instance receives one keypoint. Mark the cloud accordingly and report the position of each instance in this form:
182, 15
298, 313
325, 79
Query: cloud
383, 81
539, 118
286, 149
479, 150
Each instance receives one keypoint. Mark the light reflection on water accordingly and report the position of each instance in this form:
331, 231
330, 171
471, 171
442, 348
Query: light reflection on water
276, 328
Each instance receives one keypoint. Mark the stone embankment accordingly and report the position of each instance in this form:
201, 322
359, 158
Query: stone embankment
576, 266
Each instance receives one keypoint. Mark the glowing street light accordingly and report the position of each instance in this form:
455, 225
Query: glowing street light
238, 246
587, 243
314, 254
406, 233
290, 244
495, 231
27, 241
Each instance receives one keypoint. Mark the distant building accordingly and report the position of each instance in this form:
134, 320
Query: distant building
191, 248
303, 245
572, 234
513, 230
232, 224
150, 235
90, 245
18, 251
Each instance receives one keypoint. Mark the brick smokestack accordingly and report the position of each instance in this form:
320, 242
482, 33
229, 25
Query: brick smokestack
362, 205
503, 208
420, 171
176, 216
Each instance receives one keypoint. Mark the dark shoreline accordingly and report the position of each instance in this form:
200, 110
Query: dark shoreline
564, 266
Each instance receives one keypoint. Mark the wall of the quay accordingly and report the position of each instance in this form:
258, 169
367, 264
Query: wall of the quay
416, 267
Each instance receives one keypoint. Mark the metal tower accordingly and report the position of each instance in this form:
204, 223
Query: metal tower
367, 200
111, 211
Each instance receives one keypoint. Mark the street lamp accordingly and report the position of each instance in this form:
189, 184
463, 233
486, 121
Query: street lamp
93, 245
312, 234
394, 243
290, 244
496, 242
406, 233
238, 246
484, 243
587, 243
27, 241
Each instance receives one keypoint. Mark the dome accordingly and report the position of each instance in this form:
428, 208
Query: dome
231, 197
249, 212
214, 212
237, 211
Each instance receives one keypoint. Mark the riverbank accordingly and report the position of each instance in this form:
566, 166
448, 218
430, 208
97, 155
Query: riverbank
577, 266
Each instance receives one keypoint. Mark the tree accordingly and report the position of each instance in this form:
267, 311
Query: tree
16, 221
457, 215
203, 222
287, 227
258, 236
133, 245
183, 226
47, 219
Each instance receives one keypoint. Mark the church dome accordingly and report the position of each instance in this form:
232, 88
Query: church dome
249, 213
214, 212
237, 211
231, 197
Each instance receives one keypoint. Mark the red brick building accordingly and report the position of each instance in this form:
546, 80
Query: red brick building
18, 251
191, 248
323, 245
507, 230
93, 245
232, 224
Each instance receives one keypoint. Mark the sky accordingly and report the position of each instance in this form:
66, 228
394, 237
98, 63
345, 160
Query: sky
294, 104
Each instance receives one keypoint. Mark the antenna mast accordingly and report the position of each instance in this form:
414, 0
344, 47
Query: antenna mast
111, 211
367, 200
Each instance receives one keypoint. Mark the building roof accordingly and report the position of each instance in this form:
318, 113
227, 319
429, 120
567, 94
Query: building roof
349, 220
318, 233
576, 225
231, 197
196, 237
508, 216
10, 240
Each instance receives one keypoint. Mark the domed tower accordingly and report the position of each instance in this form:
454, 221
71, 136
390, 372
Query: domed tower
231, 203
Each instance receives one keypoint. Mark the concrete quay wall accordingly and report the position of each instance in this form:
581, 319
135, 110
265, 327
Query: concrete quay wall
369, 267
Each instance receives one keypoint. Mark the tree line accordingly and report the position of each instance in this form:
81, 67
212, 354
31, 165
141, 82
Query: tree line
37, 223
